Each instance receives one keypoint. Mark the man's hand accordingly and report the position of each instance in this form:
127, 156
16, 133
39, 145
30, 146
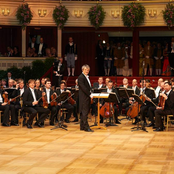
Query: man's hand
66, 58
91, 96
147, 57
59, 104
158, 107
76, 58
35, 103
3, 104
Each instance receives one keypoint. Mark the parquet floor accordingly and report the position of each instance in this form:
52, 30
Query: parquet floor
116, 150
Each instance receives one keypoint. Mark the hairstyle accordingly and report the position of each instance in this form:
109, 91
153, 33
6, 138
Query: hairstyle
167, 82
30, 81
47, 81
85, 66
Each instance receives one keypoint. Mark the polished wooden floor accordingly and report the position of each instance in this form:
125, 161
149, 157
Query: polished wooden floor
116, 150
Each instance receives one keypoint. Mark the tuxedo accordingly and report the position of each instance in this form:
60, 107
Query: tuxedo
66, 105
168, 110
34, 46
150, 94
84, 100
54, 109
59, 68
33, 110
137, 90
42, 53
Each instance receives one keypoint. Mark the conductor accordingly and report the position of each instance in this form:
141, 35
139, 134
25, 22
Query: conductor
84, 98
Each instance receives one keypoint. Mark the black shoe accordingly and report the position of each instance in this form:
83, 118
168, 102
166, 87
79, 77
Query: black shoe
29, 126
136, 121
75, 120
88, 130
117, 122
38, 125
67, 121
154, 127
14, 124
5, 124
51, 124
150, 125
158, 129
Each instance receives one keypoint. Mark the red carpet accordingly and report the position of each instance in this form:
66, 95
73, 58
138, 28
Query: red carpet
153, 79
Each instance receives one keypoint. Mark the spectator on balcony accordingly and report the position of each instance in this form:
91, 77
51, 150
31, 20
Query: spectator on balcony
16, 52
48, 52
9, 52
42, 48
9, 76
71, 55
33, 44
53, 52
31, 52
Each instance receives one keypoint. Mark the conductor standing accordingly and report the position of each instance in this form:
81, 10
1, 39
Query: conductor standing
84, 98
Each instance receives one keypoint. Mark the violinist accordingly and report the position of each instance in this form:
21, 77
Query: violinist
66, 105
168, 107
54, 109
151, 110
17, 103
148, 95
31, 105
109, 90
4, 107
158, 88
43, 82
106, 82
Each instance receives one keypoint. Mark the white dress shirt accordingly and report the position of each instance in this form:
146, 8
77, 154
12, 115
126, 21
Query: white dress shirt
1, 100
40, 48
33, 94
48, 95
100, 86
32, 45
87, 77
109, 90
21, 91
157, 90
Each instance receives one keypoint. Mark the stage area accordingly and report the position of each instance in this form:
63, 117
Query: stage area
116, 150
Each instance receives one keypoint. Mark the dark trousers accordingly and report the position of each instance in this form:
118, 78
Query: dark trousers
33, 112
84, 117
54, 110
143, 112
14, 118
6, 113
151, 114
158, 114
70, 108
75, 111
124, 103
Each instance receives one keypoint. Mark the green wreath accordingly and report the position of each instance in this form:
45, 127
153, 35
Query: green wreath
96, 16
133, 15
24, 15
60, 15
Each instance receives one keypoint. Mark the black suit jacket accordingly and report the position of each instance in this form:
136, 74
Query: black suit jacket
43, 49
84, 93
169, 103
149, 93
51, 92
35, 46
17, 93
137, 90
96, 85
28, 97
62, 68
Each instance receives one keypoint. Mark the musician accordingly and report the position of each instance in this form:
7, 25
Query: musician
151, 110
84, 98
17, 104
106, 82
168, 108
135, 87
5, 108
58, 70
109, 90
158, 88
31, 105
54, 109
99, 84
149, 95
43, 82
66, 105
124, 100
71, 55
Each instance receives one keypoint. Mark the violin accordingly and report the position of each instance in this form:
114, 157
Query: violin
5, 96
13, 99
44, 100
53, 99
161, 102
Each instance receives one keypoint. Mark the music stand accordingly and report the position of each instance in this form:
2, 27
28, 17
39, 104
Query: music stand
113, 98
125, 93
62, 98
140, 102
97, 90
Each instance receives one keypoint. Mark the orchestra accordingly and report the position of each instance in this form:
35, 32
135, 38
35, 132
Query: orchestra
40, 100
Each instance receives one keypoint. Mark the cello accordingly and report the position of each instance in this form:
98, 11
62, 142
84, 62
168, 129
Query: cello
107, 110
